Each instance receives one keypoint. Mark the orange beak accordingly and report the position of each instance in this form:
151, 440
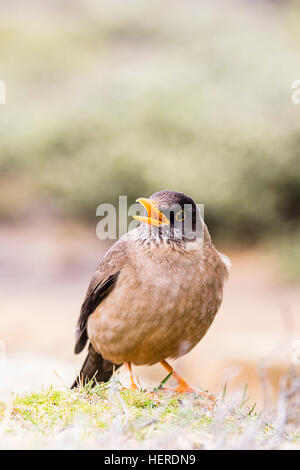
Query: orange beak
154, 215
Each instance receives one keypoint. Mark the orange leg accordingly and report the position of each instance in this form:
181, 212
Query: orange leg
183, 386
133, 386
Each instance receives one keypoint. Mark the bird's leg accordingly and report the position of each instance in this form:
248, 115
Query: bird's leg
133, 386
183, 386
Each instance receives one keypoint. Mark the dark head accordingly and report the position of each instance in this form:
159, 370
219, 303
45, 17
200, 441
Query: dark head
174, 215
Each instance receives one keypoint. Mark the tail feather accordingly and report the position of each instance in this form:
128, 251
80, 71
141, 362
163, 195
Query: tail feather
95, 368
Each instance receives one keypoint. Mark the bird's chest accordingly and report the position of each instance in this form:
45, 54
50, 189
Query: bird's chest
158, 304
169, 283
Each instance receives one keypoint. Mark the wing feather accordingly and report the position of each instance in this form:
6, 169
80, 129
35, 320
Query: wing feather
102, 283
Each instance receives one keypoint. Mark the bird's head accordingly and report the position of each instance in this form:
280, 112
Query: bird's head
172, 216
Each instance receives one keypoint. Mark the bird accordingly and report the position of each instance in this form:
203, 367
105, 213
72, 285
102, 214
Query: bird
154, 294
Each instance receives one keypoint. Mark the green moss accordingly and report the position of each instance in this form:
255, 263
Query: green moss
109, 415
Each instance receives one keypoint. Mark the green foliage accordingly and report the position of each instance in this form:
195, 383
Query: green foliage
287, 250
130, 100
108, 416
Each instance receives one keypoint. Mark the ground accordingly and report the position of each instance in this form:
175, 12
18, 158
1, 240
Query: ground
110, 417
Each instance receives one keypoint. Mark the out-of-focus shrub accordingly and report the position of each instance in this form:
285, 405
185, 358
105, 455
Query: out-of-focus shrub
116, 99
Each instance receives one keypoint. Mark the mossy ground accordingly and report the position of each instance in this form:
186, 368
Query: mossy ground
109, 417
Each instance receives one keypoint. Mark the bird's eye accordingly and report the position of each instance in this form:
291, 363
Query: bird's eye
179, 216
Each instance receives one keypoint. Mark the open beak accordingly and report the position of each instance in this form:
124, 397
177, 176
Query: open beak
154, 216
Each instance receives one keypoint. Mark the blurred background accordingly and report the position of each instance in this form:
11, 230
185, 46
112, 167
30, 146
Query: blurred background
126, 98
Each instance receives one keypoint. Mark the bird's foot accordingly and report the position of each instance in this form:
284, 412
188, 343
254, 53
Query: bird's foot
131, 387
183, 387
208, 399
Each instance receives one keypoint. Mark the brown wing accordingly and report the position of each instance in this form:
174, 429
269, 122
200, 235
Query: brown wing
102, 283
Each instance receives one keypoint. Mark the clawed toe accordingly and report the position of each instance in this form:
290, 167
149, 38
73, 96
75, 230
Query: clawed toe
209, 400
183, 387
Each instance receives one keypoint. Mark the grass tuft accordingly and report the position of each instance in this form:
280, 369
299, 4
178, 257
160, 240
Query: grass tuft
109, 416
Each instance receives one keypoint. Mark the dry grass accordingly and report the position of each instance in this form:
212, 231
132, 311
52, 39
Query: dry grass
109, 417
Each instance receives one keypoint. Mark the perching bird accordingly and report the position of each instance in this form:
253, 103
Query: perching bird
154, 294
